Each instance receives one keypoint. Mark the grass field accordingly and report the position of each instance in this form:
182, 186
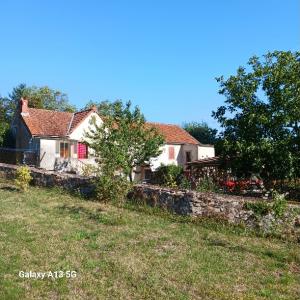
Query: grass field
133, 253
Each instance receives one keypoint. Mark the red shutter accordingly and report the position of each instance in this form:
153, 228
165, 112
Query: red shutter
82, 151
171, 153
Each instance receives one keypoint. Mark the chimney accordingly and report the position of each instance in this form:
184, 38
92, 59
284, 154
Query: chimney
24, 107
94, 108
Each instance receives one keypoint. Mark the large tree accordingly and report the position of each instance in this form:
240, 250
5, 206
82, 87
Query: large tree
201, 132
39, 97
104, 107
261, 116
4, 119
124, 141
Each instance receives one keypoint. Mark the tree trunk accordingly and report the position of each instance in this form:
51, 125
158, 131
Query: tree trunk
130, 175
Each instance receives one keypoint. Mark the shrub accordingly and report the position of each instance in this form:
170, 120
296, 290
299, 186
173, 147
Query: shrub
170, 181
23, 178
261, 208
170, 175
89, 170
185, 184
279, 205
273, 218
206, 184
112, 188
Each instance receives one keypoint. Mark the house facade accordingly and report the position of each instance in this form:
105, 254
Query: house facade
57, 138
179, 149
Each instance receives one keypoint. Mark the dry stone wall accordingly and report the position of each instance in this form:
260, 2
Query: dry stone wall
183, 202
220, 206
43, 178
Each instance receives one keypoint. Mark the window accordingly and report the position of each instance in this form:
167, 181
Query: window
171, 153
188, 156
147, 174
64, 149
82, 151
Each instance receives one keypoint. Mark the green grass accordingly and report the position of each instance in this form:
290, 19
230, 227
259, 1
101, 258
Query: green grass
134, 253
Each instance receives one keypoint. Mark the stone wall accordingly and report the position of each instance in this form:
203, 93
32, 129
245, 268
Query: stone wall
43, 178
185, 202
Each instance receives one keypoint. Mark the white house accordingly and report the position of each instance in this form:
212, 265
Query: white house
180, 148
57, 138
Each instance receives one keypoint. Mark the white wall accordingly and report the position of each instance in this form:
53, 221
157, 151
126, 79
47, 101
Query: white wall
180, 157
197, 152
206, 151
47, 154
79, 133
163, 158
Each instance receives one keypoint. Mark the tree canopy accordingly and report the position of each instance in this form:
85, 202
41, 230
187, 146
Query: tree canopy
261, 116
104, 107
124, 141
201, 132
39, 97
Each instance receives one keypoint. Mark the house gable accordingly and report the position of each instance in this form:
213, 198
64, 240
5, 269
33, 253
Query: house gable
45, 123
78, 133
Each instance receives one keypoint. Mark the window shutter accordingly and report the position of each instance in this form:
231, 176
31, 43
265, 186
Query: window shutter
82, 151
171, 153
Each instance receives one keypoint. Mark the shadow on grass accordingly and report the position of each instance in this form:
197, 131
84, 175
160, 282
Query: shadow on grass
9, 188
98, 216
211, 223
76, 193
278, 256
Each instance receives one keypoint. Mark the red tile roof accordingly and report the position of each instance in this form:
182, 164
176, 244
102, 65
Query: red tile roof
47, 122
78, 118
42, 122
174, 134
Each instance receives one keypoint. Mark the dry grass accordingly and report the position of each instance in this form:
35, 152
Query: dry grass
134, 253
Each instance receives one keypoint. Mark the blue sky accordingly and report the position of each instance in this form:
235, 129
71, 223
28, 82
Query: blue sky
162, 55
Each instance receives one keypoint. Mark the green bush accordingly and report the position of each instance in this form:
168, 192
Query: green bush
112, 188
273, 218
259, 208
89, 170
206, 184
185, 184
23, 178
262, 208
170, 175
279, 205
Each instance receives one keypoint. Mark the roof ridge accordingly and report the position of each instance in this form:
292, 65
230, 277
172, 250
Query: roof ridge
160, 123
87, 112
80, 111
51, 110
